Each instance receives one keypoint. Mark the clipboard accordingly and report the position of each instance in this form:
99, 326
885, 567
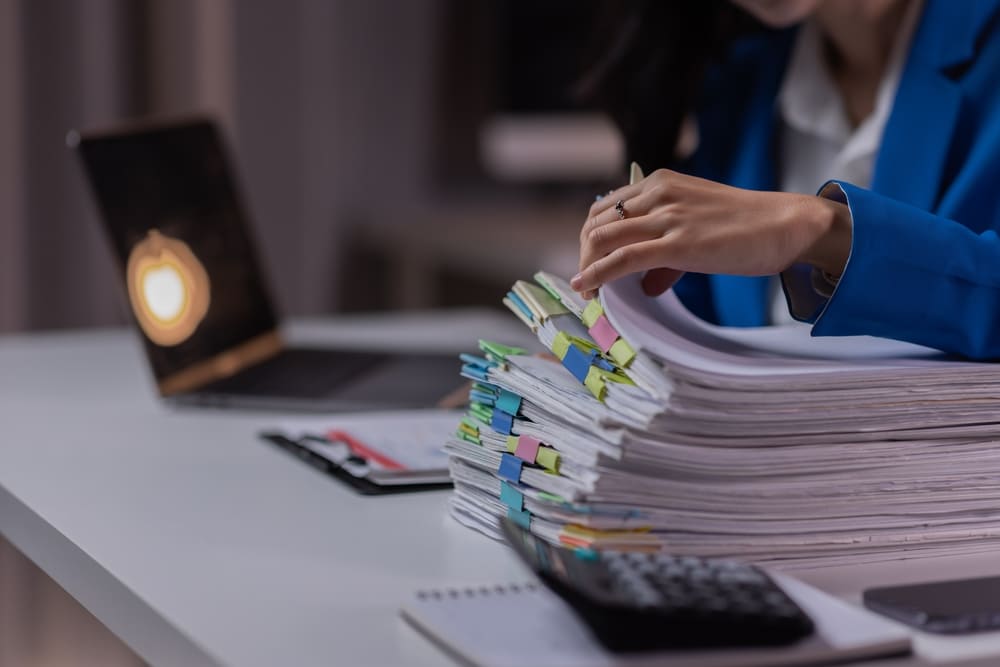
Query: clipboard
374, 453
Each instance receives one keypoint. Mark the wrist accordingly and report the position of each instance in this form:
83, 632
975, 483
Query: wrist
834, 231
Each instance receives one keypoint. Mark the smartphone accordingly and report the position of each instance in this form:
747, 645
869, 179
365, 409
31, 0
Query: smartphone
948, 607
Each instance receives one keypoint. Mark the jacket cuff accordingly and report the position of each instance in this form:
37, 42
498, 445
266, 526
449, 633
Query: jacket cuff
807, 289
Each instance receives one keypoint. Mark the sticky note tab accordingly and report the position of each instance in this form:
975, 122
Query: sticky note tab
622, 353
592, 312
539, 301
508, 401
519, 302
560, 345
511, 497
482, 397
468, 438
603, 333
468, 428
527, 448
514, 308
512, 443
548, 458
594, 381
542, 279
577, 362
499, 350
510, 468
501, 422
604, 364
522, 518
474, 372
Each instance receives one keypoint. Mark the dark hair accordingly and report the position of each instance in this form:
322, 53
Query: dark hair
648, 74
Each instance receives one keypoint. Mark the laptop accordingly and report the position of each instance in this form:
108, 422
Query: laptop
179, 230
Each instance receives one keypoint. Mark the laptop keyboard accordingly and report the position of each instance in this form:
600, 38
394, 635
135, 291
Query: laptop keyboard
298, 373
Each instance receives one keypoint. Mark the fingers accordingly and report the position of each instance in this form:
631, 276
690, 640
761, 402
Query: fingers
608, 201
657, 281
621, 262
604, 239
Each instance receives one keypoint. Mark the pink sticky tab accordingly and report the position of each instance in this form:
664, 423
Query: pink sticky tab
527, 448
603, 333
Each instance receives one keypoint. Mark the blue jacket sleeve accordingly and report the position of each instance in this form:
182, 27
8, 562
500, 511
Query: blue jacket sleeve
915, 276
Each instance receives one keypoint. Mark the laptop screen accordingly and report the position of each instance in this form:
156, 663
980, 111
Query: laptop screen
182, 240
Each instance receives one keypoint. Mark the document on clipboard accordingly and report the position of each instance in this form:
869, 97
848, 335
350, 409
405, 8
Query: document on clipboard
374, 452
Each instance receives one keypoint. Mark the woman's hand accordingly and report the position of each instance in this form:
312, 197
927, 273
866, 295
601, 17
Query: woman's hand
676, 223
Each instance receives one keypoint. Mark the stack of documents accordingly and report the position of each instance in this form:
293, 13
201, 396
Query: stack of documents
647, 428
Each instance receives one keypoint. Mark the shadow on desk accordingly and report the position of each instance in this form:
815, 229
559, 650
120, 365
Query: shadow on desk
40, 624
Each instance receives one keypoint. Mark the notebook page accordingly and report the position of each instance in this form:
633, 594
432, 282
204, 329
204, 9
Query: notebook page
528, 625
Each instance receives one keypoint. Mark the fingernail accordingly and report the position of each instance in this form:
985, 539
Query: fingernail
576, 281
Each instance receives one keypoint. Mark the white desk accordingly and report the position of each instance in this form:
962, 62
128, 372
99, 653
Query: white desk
198, 545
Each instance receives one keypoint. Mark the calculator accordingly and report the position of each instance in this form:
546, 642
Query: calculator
647, 601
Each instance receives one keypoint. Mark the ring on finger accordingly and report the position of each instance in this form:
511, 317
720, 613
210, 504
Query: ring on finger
620, 208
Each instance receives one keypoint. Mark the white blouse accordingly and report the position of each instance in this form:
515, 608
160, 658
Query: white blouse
817, 140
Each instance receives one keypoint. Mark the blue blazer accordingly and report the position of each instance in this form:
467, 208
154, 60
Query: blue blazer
925, 261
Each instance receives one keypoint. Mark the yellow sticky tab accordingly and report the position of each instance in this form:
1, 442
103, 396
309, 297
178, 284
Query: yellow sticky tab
614, 376
583, 344
511, 443
560, 345
538, 300
622, 353
595, 383
548, 458
592, 312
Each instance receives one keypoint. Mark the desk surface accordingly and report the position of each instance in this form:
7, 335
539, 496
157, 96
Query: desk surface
197, 544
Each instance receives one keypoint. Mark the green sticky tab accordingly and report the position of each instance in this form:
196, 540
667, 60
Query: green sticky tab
481, 412
469, 438
622, 353
511, 497
592, 312
560, 345
595, 383
551, 497
500, 351
511, 443
540, 279
548, 458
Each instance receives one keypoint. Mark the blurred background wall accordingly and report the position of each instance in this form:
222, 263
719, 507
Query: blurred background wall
395, 153
358, 127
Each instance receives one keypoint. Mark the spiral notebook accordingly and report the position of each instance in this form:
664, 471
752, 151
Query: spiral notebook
517, 625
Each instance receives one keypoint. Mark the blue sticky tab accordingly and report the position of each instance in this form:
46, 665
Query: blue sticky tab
521, 305
601, 362
482, 397
509, 402
475, 361
577, 362
522, 518
502, 422
473, 372
511, 497
510, 468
